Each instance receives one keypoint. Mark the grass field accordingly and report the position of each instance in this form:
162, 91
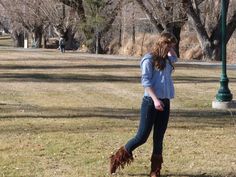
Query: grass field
63, 115
6, 41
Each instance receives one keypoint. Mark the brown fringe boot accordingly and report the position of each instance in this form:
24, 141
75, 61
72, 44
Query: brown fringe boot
156, 162
120, 159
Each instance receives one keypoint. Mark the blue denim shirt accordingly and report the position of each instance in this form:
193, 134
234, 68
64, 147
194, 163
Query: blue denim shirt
160, 80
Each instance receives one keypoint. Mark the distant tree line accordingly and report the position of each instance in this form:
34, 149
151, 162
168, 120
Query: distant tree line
93, 22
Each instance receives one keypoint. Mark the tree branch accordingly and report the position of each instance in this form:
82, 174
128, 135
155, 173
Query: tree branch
78, 6
113, 17
217, 30
231, 26
150, 15
199, 27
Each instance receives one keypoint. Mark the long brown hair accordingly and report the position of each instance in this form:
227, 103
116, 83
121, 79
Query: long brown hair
161, 50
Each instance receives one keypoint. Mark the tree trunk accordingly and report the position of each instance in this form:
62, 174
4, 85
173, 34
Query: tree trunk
97, 42
216, 53
211, 48
176, 32
44, 42
96, 46
143, 38
70, 39
210, 51
120, 36
210, 44
100, 49
38, 35
207, 50
18, 39
175, 29
6, 30
133, 30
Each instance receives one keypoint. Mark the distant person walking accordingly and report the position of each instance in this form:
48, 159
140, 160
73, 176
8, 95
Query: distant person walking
156, 67
62, 44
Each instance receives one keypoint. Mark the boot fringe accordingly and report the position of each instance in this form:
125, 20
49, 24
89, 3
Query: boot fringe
120, 159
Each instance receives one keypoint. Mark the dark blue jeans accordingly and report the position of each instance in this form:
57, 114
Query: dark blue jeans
150, 117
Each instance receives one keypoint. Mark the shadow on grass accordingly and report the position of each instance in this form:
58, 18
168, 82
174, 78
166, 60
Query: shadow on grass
187, 121
120, 113
106, 112
82, 66
67, 78
179, 175
194, 79
208, 116
71, 58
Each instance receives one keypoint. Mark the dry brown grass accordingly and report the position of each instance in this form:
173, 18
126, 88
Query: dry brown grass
6, 41
63, 115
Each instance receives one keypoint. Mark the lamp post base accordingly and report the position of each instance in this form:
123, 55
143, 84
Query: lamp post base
224, 94
224, 104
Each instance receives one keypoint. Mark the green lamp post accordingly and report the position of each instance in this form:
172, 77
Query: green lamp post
223, 94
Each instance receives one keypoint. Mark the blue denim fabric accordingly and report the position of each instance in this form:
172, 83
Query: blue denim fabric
150, 117
160, 80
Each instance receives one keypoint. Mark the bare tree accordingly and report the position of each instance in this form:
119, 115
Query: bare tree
205, 17
96, 19
16, 28
167, 15
63, 19
4, 20
36, 17
25, 16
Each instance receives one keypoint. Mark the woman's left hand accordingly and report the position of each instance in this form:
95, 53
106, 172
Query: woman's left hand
159, 105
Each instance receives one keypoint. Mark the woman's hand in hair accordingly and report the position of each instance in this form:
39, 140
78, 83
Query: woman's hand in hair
172, 52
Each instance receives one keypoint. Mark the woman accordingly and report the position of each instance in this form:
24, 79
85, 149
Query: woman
62, 44
156, 67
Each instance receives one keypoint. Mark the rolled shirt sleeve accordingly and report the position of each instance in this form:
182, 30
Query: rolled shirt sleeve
173, 59
147, 71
